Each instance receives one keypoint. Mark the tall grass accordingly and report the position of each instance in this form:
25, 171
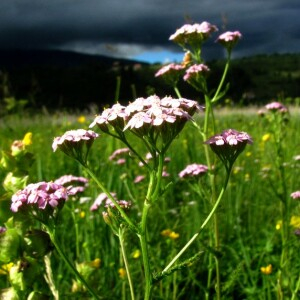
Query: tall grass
248, 215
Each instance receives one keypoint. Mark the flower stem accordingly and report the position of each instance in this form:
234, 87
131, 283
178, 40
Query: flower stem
215, 97
68, 263
122, 212
201, 227
144, 247
121, 239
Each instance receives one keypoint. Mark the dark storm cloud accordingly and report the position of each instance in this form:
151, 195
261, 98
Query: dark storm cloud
130, 26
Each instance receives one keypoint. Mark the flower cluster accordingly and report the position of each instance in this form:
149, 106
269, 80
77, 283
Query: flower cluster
295, 195
69, 181
171, 73
170, 68
75, 143
193, 170
229, 39
148, 117
193, 33
118, 155
228, 145
40, 195
276, 107
194, 70
103, 200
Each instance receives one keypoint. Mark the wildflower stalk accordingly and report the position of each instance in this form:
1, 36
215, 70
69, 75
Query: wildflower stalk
49, 277
295, 292
208, 218
68, 262
123, 250
152, 195
110, 197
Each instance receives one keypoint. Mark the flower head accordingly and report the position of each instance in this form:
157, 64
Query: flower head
229, 39
114, 116
69, 181
195, 70
266, 270
193, 170
228, 145
295, 195
75, 143
194, 34
276, 107
170, 73
40, 196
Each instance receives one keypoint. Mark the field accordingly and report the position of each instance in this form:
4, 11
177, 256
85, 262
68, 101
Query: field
252, 254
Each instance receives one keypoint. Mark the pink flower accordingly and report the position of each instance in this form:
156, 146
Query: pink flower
73, 137
191, 34
75, 143
139, 178
119, 152
229, 39
295, 195
171, 68
113, 116
103, 200
40, 195
193, 170
276, 106
228, 145
194, 70
68, 181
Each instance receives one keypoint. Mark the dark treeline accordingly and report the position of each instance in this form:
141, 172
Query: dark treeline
56, 79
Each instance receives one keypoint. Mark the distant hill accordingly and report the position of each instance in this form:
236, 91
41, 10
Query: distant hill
60, 79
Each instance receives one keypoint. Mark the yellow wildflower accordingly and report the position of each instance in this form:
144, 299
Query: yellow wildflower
81, 119
295, 221
4, 269
82, 214
248, 154
170, 234
136, 254
27, 140
279, 225
95, 263
266, 137
166, 232
247, 177
173, 235
266, 270
122, 273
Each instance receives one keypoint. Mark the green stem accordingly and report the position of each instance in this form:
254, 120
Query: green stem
121, 239
201, 227
295, 292
69, 264
122, 212
177, 91
215, 97
144, 247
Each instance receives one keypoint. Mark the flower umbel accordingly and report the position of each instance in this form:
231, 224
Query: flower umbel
193, 35
42, 200
193, 170
229, 39
228, 145
295, 195
69, 181
75, 143
276, 107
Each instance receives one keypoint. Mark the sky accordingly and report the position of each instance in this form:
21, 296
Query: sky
140, 29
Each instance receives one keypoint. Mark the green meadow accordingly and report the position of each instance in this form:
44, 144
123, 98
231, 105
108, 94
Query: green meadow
249, 216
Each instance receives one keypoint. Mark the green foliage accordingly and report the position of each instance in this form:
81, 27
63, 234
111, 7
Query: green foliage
248, 215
